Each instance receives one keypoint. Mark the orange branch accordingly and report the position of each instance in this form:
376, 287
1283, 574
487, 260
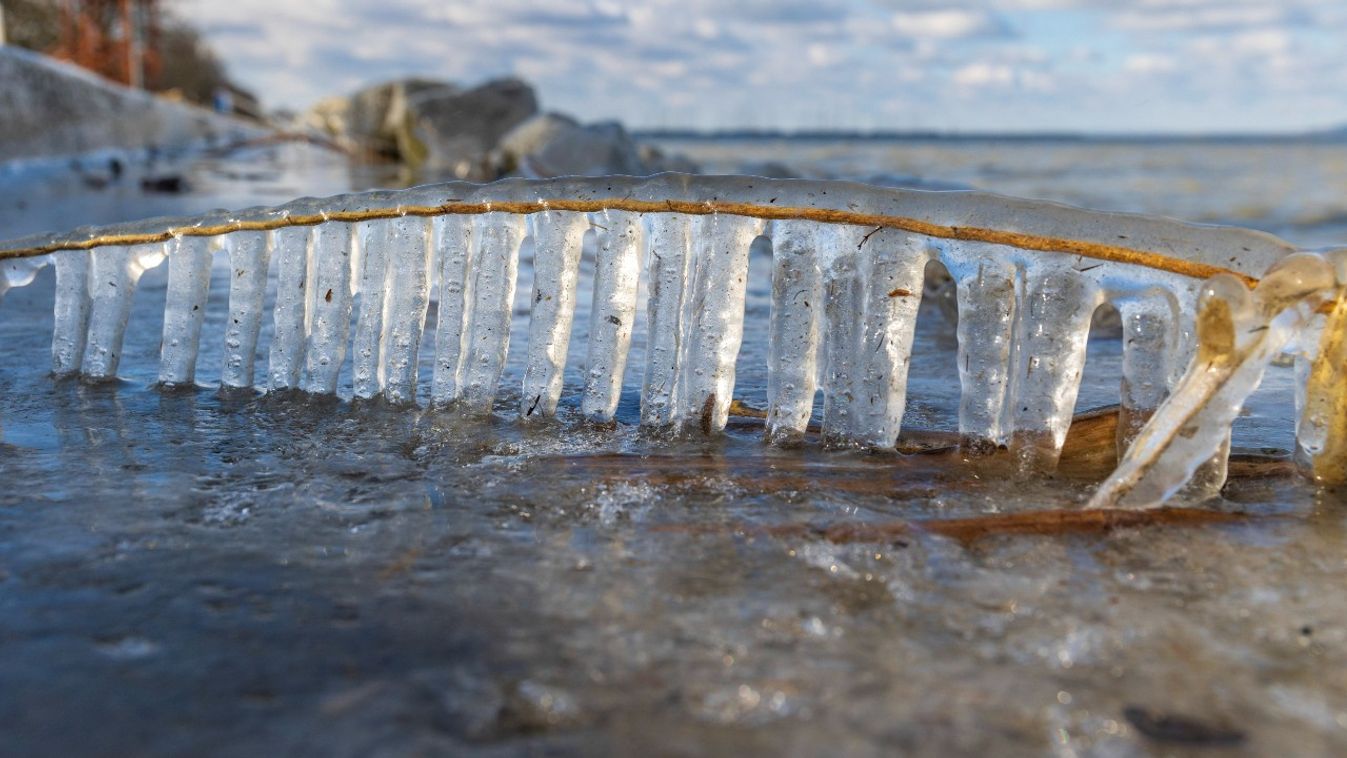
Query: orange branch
1095, 250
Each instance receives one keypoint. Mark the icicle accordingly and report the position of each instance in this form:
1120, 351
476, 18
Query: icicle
669, 261
1149, 344
1052, 331
71, 311
290, 249
895, 272
797, 301
986, 282
843, 310
873, 280
557, 240
406, 296
114, 273
20, 272
332, 245
499, 236
715, 321
189, 267
454, 250
249, 258
1239, 333
366, 355
1321, 432
617, 271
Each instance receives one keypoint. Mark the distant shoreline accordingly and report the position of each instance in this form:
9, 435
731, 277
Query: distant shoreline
1328, 136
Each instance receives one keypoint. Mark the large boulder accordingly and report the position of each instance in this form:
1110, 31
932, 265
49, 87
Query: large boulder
375, 121
52, 109
552, 144
437, 129
454, 132
531, 137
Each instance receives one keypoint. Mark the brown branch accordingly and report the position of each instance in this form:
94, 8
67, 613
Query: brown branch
1041, 523
1019, 240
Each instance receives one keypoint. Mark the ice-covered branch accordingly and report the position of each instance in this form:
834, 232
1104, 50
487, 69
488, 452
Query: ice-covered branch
848, 268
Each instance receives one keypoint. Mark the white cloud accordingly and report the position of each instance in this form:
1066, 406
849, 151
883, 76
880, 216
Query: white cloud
983, 74
951, 23
1261, 42
1149, 63
1009, 78
865, 63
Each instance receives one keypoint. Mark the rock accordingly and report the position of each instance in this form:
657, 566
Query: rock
532, 707
54, 110
533, 135
1176, 729
592, 150
171, 184
553, 144
375, 121
481, 134
453, 132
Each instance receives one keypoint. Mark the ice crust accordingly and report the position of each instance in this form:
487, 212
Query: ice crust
843, 309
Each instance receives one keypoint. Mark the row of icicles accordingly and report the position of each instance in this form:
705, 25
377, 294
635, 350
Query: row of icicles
860, 289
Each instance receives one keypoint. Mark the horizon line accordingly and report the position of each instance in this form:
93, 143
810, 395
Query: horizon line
1322, 134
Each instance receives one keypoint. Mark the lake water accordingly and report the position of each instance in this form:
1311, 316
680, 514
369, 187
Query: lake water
189, 572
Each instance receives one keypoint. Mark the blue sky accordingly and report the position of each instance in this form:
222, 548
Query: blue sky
998, 65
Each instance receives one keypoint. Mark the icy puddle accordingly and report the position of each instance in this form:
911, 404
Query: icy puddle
185, 572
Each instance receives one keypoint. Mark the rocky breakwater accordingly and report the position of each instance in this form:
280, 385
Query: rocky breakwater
50, 109
495, 129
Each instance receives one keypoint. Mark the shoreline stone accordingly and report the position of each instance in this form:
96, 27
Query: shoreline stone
50, 109
436, 129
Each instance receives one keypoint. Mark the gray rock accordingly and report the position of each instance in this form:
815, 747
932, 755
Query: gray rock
49, 109
532, 136
553, 144
492, 130
375, 121
592, 150
453, 132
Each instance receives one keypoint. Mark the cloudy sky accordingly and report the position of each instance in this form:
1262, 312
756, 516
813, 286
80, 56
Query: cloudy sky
965, 65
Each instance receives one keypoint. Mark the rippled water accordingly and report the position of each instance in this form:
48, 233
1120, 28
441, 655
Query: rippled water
187, 572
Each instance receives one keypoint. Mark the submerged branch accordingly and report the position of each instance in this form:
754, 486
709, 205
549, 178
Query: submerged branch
1041, 523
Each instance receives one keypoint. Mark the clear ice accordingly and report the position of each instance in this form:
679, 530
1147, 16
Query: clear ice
848, 270
189, 264
249, 259
290, 250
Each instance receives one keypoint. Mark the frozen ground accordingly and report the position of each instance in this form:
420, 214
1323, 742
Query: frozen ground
188, 572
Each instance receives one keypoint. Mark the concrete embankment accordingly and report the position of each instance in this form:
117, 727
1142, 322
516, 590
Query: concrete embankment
50, 109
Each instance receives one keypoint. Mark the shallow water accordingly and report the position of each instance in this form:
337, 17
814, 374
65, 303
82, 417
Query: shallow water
1295, 189
185, 572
